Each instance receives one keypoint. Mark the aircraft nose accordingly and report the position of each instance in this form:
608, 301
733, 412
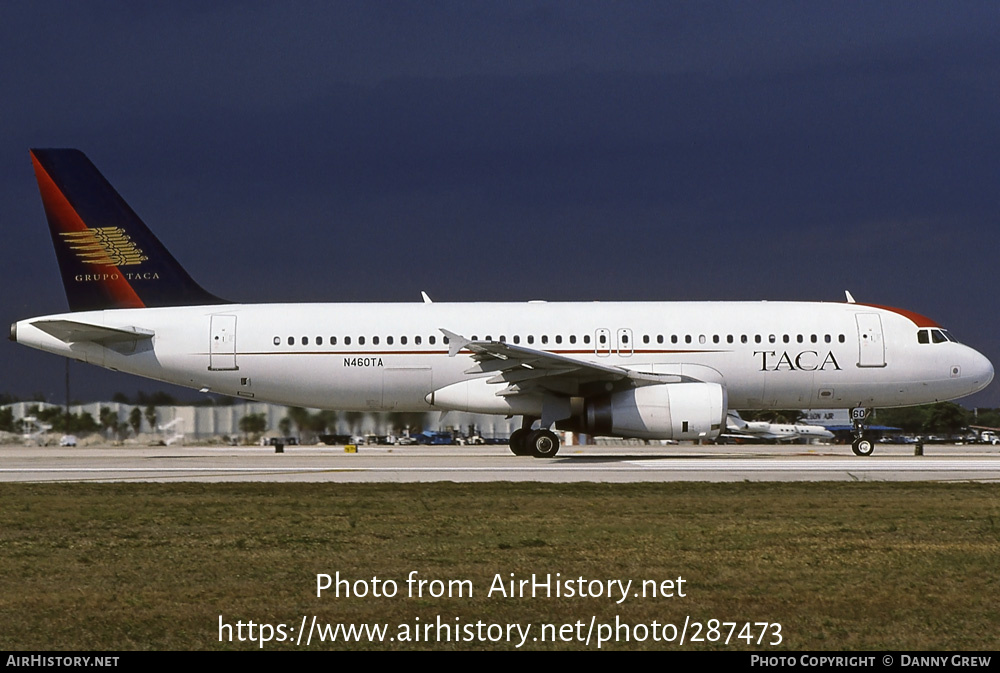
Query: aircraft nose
979, 370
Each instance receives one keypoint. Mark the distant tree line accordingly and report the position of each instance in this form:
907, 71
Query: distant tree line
942, 418
74, 424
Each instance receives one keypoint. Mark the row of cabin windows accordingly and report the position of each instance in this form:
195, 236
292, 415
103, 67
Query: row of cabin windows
602, 339
390, 341
744, 338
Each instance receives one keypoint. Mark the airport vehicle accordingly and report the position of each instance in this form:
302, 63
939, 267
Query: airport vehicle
776, 432
986, 434
434, 437
653, 370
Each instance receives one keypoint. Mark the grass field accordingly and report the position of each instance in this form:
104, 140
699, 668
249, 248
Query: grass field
863, 566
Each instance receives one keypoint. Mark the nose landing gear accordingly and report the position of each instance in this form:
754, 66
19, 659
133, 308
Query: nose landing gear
862, 446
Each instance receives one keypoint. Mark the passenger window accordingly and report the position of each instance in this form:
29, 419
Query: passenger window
432, 340
388, 340
687, 338
291, 341
743, 338
715, 339
586, 338
375, 341
559, 338
361, 341
771, 338
827, 338
841, 338
673, 338
545, 338
517, 339
277, 341
347, 341
305, 341
444, 340
572, 338
756, 338
319, 341
659, 338
701, 339
333, 341
813, 338
416, 340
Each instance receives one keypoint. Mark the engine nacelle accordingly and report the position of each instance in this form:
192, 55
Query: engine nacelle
664, 411
479, 397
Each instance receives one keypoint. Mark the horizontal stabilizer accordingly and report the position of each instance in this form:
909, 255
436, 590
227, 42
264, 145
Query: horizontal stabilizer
70, 331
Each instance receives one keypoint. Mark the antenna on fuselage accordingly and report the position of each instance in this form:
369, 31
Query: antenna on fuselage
850, 299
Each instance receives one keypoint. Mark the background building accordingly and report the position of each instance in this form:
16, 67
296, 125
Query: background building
204, 423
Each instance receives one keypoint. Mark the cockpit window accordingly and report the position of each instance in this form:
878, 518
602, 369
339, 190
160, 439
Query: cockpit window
937, 336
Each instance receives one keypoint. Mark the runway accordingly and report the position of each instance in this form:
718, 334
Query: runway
980, 463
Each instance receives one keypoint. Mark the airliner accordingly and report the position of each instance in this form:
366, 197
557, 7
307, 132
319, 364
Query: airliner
653, 370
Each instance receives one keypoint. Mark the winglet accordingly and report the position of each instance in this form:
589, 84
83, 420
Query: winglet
456, 342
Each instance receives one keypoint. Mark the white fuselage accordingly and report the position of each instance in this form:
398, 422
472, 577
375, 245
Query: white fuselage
391, 357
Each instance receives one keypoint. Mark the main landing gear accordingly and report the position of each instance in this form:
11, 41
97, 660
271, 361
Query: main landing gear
862, 446
538, 443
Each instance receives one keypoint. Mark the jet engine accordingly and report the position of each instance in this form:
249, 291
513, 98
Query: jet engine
694, 410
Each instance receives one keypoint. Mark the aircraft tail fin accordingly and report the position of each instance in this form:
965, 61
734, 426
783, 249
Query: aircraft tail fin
107, 255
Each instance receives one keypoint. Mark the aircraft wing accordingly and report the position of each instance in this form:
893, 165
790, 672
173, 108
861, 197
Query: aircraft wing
527, 370
71, 331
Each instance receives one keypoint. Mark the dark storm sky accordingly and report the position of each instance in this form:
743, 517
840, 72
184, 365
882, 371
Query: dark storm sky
510, 151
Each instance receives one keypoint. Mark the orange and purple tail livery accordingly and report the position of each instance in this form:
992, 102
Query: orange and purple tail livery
108, 257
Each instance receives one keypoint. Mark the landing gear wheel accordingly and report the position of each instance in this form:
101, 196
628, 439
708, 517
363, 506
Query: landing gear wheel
863, 447
543, 444
519, 442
